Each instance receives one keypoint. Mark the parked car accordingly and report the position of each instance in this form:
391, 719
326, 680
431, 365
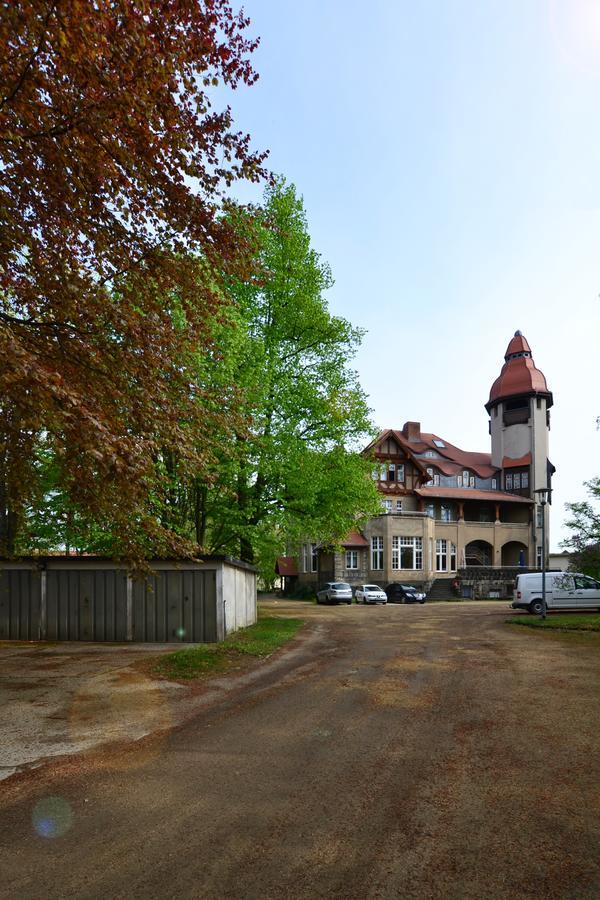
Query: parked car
404, 593
564, 590
370, 593
335, 592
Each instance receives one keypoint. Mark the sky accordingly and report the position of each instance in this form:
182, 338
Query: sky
448, 154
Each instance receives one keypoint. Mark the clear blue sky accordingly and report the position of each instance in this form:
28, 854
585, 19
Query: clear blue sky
448, 156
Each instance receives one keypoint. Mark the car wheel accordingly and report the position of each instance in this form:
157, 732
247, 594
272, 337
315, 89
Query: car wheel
421, 602
536, 607
364, 602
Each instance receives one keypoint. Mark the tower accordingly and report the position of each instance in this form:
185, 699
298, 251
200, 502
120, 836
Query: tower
519, 409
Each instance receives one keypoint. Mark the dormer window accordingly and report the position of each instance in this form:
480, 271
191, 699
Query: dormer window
466, 479
434, 476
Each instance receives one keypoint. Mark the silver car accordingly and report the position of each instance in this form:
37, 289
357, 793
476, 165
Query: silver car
370, 593
335, 592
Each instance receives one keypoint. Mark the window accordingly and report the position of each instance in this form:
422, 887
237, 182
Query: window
433, 475
472, 481
430, 510
398, 505
524, 479
446, 513
352, 559
407, 553
383, 472
441, 555
538, 557
585, 583
391, 472
386, 505
430, 454
508, 482
305, 558
400, 473
517, 481
539, 516
494, 484
459, 480
377, 552
453, 557
438, 443
465, 478
375, 473
314, 558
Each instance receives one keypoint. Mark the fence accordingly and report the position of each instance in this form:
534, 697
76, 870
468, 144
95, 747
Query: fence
90, 599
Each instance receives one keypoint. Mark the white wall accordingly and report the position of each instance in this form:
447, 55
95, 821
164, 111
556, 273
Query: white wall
239, 594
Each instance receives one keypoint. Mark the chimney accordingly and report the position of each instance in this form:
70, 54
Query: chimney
412, 431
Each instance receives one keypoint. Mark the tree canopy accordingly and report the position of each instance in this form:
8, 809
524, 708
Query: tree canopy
113, 168
284, 419
585, 525
295, 471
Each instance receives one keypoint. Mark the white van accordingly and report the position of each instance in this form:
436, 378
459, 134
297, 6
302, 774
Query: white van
564, 590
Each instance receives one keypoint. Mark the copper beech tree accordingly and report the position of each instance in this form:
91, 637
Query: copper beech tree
113, 173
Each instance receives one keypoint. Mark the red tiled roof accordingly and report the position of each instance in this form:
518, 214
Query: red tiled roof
470, 494
286, 566
508, 463
480, 463
519, 374
355, 539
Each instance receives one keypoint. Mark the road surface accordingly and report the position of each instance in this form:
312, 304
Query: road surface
400, 752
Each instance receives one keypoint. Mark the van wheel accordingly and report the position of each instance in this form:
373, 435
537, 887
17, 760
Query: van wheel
536, 607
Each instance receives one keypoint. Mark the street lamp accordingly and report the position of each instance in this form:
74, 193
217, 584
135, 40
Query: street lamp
544, 494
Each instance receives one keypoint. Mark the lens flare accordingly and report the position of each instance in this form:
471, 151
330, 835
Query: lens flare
52, 817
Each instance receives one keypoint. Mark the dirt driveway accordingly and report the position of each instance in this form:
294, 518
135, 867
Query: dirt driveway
58, 699
413, 752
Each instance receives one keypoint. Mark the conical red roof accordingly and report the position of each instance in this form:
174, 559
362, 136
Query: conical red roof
519, 374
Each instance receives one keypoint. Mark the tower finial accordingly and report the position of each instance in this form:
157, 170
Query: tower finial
518, 333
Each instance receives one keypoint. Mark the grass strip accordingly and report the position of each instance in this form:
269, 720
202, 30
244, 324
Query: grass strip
559, 622
259, 641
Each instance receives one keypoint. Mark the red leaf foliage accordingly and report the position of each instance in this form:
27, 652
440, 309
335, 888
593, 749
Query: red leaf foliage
113, 167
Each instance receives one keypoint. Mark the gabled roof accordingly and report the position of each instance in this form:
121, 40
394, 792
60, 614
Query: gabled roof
354, 539
450, 459
403, 443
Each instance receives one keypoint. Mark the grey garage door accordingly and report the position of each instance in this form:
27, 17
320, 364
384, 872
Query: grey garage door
86, 605
175, 606
20, 605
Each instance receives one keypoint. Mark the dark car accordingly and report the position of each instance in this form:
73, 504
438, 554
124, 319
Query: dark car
404, 593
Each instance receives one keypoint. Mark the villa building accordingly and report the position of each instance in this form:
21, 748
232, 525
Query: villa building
446, 510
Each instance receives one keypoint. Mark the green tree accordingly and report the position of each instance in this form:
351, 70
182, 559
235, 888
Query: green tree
585, 525
295, 471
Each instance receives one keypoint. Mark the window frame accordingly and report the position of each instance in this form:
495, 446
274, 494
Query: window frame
351, 556
377, 553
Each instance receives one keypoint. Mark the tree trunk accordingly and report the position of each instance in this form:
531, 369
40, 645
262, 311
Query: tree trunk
200, 495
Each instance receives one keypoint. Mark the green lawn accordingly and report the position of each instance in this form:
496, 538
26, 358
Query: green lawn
258, 641
560, 622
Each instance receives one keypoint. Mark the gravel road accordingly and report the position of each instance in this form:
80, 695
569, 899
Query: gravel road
397, 752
